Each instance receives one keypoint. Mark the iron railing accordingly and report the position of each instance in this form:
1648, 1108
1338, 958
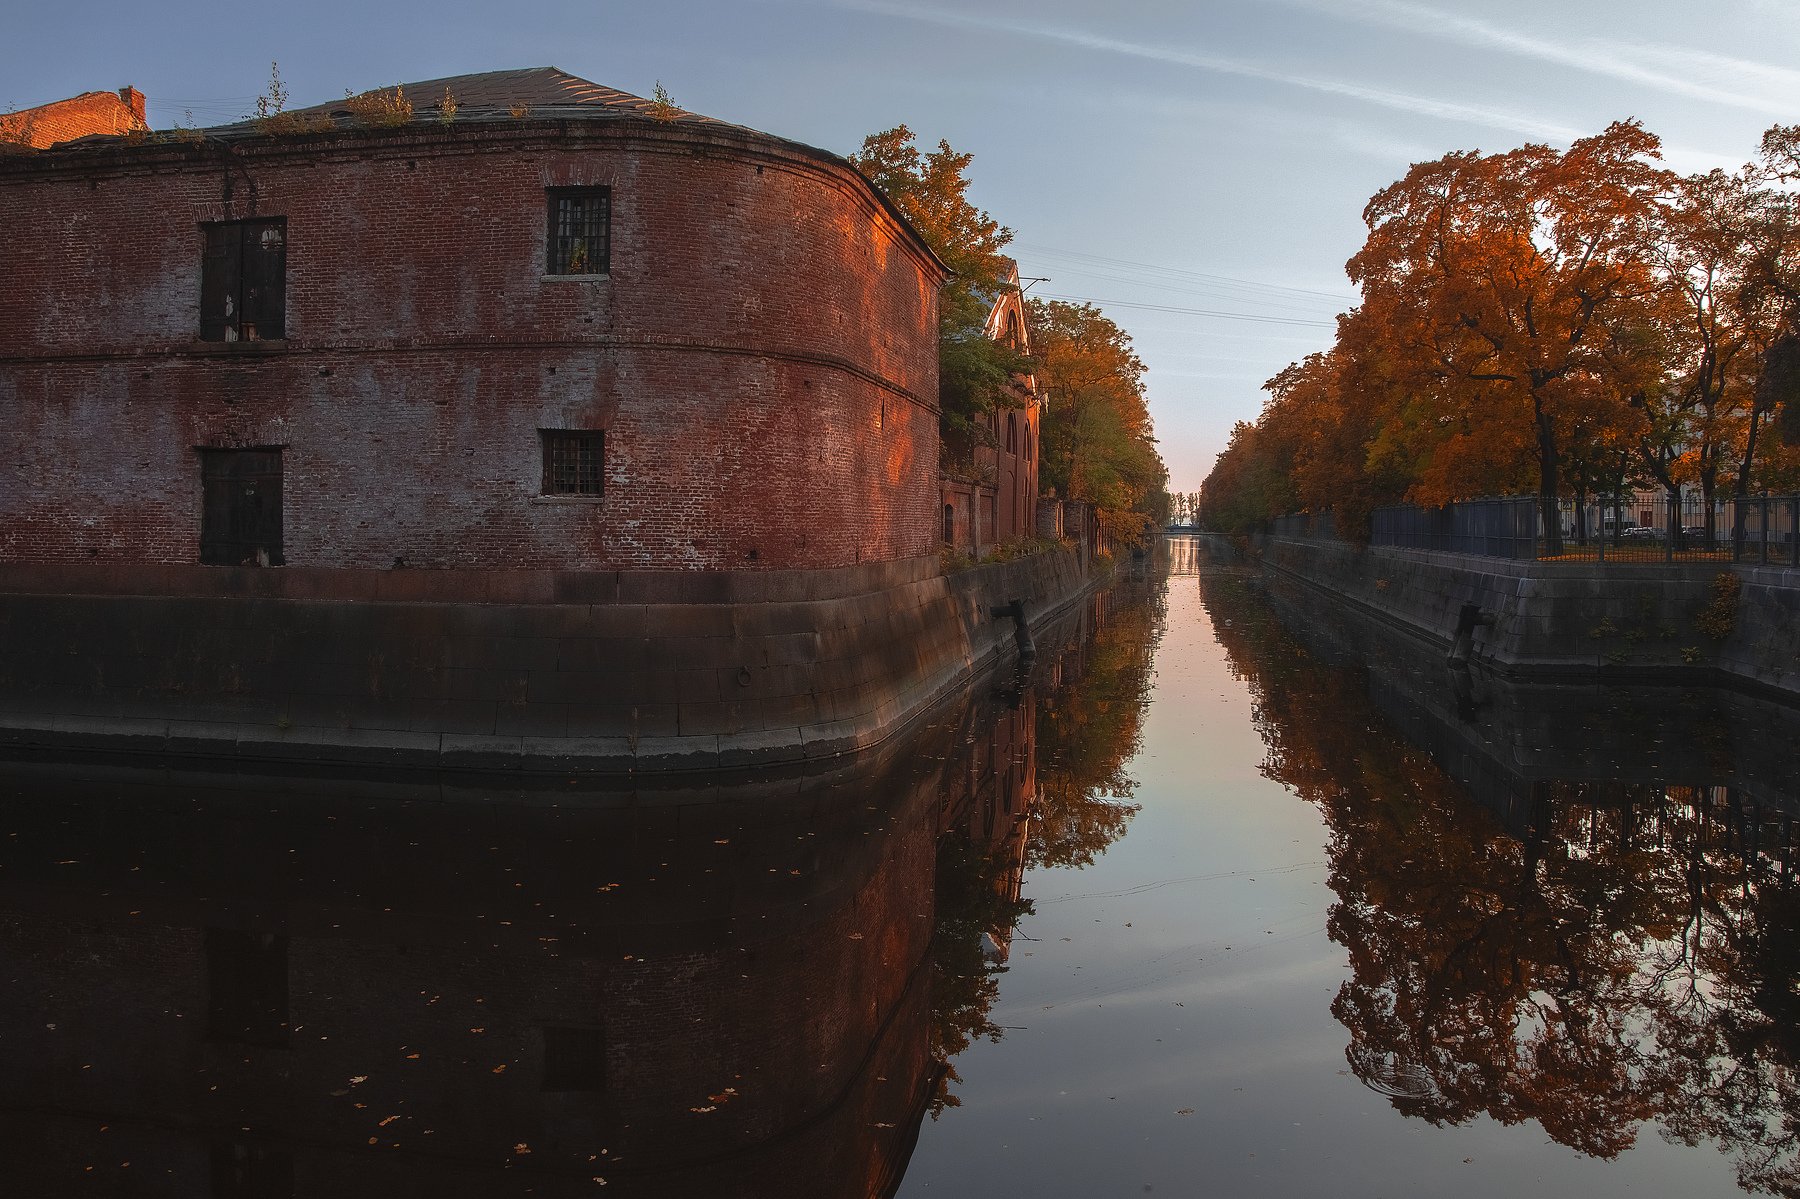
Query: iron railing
1637, 527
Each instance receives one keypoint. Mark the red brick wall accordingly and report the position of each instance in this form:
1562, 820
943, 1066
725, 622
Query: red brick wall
81, 116
1002, 506
762, 356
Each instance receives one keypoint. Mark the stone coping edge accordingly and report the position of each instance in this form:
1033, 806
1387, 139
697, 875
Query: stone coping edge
62, 736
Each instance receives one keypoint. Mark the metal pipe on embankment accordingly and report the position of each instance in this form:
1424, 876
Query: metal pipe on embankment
1021, 627
1462, 643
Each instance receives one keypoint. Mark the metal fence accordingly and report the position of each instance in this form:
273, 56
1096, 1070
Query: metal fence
1637, 527
1502, 528
1763, 530
1305, 526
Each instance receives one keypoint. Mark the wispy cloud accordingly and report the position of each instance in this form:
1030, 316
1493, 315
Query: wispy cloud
1696, 76
1493, 118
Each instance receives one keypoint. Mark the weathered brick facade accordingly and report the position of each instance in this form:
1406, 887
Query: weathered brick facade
760, 355
79, 116
993, 497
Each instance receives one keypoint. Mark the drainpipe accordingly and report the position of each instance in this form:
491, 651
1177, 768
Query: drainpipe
1467, 621
1021, 630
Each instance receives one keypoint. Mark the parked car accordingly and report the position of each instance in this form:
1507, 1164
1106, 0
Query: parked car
1641, 533
1694, 532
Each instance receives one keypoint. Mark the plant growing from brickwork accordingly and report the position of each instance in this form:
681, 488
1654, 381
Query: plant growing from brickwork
447, 107
186, 131
272, 102
380, 108
272, 116
518, 110
662, 108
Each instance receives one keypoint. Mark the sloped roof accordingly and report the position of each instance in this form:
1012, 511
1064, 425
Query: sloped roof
539, 92
533, 93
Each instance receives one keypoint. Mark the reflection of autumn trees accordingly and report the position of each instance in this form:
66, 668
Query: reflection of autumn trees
1631, 956
972, 903
1090, 722
1090, 701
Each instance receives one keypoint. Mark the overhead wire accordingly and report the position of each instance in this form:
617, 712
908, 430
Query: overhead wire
1206, 312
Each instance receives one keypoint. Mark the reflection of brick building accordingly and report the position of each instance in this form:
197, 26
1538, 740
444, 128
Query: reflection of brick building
595, 335
372, 996
356, 990
79, 116
992, 496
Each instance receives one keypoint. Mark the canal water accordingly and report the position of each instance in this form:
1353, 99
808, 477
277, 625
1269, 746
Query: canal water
1227, 894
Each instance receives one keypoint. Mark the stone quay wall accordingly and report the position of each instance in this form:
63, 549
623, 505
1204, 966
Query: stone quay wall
532, 671
1555, 620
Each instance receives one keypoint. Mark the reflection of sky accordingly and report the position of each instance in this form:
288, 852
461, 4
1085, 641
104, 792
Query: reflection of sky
1206, 163
1188, 968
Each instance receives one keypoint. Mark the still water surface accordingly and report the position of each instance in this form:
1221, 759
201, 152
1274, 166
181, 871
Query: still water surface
1316, 964
1229, 895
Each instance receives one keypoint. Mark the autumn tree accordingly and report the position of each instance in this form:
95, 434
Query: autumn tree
1489, 276
1097, 443
931, 190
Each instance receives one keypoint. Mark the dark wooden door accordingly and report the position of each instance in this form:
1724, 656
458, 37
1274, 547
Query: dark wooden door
240, 521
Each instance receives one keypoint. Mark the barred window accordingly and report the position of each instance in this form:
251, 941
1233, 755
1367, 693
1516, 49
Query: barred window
579, 241
574, 461
243, 280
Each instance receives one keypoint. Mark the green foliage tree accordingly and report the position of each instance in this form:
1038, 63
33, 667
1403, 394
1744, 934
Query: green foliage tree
931, 190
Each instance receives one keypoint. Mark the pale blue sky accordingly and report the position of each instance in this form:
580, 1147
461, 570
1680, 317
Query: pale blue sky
1201, 166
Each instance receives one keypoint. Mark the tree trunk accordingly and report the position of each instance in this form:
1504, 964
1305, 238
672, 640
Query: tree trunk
1549, 513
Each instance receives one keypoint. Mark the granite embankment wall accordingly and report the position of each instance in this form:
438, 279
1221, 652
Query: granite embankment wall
550, 672
1503, 738
1558, 620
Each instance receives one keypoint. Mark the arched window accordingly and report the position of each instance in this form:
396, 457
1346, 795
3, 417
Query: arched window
1012, 432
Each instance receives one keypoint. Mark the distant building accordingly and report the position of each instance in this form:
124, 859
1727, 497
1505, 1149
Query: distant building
89, 113
991, 495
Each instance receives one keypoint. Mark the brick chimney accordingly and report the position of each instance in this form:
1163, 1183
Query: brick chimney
134, 99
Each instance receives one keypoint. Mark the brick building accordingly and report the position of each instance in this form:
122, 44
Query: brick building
551, 326
991, 496
106, 113
545, 428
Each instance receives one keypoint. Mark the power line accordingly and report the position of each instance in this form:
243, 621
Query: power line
1210, 312
1181, 272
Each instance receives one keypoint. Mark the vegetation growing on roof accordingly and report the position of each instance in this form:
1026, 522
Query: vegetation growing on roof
380, 108
662, 108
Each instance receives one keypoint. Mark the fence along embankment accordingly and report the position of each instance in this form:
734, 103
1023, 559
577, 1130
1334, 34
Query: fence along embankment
1574, 616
